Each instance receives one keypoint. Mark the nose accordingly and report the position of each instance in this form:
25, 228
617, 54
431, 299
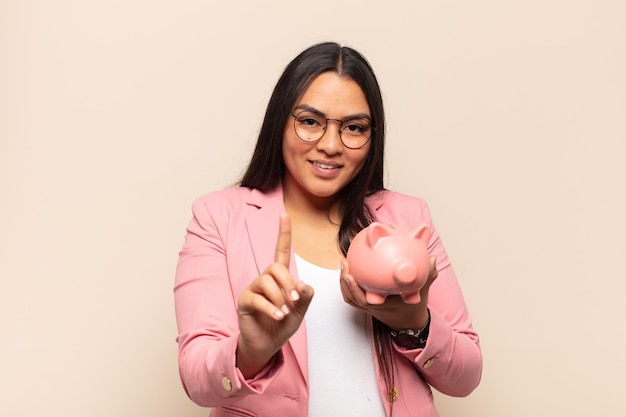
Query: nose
330, 142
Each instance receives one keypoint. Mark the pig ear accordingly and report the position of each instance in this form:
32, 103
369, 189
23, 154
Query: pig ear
422, 233
376, 231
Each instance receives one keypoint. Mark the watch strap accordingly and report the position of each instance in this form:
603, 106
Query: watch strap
411, 338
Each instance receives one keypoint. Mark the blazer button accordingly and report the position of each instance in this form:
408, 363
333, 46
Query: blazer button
429, 363
393, 394
226, 384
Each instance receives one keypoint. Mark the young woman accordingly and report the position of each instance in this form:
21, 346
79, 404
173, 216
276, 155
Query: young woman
253, 338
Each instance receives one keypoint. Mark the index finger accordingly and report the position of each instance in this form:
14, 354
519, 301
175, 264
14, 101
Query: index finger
283, 243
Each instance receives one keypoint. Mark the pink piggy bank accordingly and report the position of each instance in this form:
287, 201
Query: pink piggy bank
387, 259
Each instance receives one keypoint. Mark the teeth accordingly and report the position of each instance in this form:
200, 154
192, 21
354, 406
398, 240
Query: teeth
325, 166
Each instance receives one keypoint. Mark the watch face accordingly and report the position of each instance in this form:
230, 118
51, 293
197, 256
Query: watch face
409, 342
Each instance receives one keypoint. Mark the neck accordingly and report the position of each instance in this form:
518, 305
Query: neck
303, 205
314, 227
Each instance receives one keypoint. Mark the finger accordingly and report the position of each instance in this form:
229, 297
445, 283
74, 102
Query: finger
305, 293
433, 268
281, 277
353, 294
345, 267
283, 243
348, 298
266, 287
251, 303
343, 283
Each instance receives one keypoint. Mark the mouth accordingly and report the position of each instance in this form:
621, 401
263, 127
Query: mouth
325, 165
325, 169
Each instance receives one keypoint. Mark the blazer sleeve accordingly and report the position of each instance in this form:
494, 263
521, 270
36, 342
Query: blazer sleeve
206, 313
451, 361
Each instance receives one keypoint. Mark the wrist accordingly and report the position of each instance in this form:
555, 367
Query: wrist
412, 338
250, 362
415, 320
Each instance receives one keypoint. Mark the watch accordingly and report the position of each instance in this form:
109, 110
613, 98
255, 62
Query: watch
410, 338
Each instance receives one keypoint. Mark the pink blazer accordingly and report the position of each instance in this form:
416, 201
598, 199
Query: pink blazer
230, 240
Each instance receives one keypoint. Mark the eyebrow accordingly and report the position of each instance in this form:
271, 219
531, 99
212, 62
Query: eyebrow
306, 107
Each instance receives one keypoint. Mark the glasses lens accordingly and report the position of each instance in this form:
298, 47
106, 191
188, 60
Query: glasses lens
355, 132
309, 126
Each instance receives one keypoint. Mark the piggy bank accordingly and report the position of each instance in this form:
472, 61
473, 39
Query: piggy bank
387, 259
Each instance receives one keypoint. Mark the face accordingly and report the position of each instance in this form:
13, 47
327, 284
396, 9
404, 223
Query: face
320, 170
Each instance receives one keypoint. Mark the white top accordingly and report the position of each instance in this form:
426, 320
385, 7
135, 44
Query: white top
342, 373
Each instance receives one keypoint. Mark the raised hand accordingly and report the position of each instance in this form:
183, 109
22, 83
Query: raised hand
394, 312
271, 308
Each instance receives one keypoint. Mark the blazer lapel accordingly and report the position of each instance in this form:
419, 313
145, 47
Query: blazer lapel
262, 226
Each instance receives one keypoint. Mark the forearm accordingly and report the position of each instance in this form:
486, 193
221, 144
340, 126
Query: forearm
210, 376
250, 363
451, 361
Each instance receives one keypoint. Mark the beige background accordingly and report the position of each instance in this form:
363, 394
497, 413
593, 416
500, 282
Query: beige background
507, 116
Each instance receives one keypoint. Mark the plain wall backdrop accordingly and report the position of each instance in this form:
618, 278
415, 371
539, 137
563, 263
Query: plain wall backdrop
509, 117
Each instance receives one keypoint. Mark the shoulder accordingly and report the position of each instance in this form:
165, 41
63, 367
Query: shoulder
394, 207
232, 195
394, 197
387, 199
220, 200
234, 201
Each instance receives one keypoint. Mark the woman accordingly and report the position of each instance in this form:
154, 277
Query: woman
253, 338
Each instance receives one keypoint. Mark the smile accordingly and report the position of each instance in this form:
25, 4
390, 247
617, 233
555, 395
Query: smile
325, 166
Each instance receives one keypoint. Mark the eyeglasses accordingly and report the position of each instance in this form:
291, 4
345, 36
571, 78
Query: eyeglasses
311, 126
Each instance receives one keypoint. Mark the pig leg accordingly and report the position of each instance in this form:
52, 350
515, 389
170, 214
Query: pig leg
412, 298
374, 298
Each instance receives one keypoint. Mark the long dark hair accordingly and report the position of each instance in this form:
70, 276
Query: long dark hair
267, 167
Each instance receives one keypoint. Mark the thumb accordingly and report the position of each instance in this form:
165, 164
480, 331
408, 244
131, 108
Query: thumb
306, 296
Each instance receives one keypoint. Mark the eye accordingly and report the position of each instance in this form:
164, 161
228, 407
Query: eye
310, 120
356, 126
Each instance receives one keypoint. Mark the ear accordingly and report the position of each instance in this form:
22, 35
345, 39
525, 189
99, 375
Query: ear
376, 231
421, 232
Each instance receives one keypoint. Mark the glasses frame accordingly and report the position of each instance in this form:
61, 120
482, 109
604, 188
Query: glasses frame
325, 127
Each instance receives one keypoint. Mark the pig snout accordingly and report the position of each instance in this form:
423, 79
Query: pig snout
404, 272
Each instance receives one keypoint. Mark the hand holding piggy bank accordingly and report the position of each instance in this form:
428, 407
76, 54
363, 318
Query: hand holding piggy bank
387, 259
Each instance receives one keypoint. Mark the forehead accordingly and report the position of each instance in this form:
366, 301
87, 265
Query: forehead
335, 95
